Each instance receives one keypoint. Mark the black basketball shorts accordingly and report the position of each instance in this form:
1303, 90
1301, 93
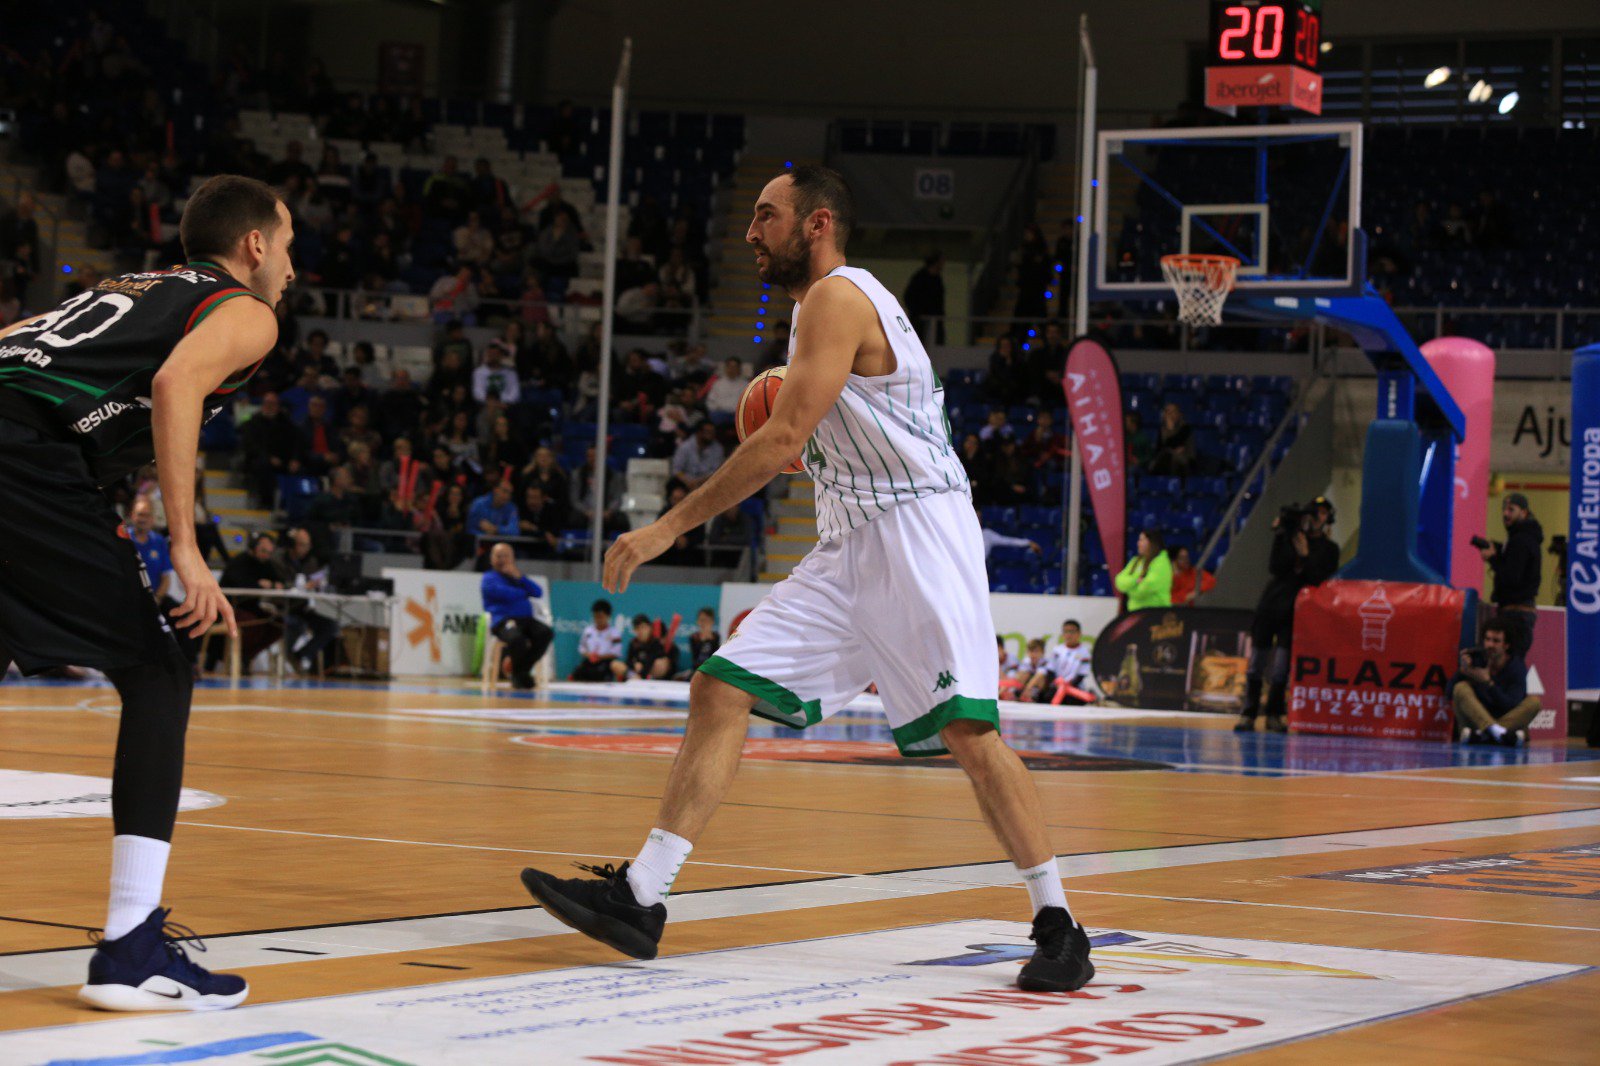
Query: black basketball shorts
73, 591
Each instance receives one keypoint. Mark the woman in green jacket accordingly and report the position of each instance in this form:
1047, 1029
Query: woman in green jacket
1147, 579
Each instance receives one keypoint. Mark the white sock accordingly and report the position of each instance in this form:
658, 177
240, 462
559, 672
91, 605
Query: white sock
652, 873
1043, 883
138, 867
1497, 730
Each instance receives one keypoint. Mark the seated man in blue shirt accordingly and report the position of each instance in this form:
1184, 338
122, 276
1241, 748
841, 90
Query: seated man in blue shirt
1491, 700
492, 515
506, 596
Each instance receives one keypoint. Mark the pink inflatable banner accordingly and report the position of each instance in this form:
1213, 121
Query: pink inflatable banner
1094, 403
1467, 369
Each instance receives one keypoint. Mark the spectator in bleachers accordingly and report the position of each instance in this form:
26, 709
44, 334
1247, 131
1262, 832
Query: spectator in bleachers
401, 407
340, 267
293, 164
1188, 582
637, 309
634, 267
363, 470
270, 445
493, 514
491, 193
698, 457
318, 450
455, 295
1045, 446
1046, 362
539, 519
975, 461
474, 243
1032, 665
351, 394
503, 449
693, 369
555, 205
555, 252
396, 470
677, 419
313, 355
547, 363
1066, 674
543, 470
1147, 579
923, 299
722, 398
446, 541
993, 538
533, 305
1007, 382
638, 390
583, 498
368, 186
441, 468
1010, 476
510, 252
461, 442
447, 194
997, 429
335, 510
732, 531
496, 377
1138, 442
1033, 274
686, 550
679, 285
1174, 451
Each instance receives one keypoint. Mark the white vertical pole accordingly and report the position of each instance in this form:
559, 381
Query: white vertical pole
1080, 310
608, 304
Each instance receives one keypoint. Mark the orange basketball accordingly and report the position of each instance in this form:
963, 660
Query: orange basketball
755, 407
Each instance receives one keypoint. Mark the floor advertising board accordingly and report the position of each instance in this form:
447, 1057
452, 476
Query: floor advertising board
920, 996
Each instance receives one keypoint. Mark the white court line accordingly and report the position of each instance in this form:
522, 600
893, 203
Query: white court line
52, 968
1412, 775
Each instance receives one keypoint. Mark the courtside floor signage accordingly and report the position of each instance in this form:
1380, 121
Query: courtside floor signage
924, 996
28, 794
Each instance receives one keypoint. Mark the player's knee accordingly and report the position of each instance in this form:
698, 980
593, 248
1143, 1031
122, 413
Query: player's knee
710, 696
968, 736
157, 692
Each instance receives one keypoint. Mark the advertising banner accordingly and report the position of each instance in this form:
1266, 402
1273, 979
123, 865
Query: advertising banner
1583, 531
1547, 674
572, 600
1094, 403
434, 624
1175, 659
1373, 659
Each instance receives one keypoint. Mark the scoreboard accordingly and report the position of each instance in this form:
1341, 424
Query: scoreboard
1264, 53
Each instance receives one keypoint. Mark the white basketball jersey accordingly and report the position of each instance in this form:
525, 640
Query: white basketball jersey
886, 439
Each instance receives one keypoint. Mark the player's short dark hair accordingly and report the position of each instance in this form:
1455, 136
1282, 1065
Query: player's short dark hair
816, 187
222, 211
601, 605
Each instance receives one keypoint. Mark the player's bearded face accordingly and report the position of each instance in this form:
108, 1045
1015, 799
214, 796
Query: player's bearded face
788, 262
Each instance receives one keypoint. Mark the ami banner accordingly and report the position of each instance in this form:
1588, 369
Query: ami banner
1583, 534
1175, 659
1094, 402
1373, 659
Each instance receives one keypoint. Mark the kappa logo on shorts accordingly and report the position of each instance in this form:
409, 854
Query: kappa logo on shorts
946, 679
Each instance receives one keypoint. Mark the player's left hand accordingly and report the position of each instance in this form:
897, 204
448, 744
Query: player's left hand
631, 551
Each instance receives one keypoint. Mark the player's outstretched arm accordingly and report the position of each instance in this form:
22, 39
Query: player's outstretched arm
238, 334
838, 316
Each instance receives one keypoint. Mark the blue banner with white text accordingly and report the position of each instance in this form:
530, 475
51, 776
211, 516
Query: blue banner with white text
1583, 534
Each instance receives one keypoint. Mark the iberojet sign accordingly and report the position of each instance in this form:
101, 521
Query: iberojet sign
1583, 538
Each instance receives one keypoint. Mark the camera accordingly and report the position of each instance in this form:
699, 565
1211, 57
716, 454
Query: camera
1483, 544
1477, 658
1294, 517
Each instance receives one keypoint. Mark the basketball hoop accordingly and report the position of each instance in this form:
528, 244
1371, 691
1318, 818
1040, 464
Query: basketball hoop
1202, 283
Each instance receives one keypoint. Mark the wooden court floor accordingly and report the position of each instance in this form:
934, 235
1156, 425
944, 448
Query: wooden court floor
356, 839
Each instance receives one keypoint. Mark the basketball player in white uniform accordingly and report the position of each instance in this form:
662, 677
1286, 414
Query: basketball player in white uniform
895, 592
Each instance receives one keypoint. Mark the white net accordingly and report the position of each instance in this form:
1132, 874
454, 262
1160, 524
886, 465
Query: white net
1202, 283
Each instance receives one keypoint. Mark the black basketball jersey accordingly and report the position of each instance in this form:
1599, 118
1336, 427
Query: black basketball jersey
84, 370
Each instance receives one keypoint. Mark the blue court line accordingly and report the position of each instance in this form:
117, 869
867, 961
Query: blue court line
236, 1046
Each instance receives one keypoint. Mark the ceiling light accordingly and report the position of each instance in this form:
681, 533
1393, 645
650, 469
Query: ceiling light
1508, 102
1327, 46
1437, 76
1480, 93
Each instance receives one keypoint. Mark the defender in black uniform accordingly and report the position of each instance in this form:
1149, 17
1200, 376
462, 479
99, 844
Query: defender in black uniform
123, 373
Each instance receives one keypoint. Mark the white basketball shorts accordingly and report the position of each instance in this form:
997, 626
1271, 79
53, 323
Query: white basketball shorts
902, 601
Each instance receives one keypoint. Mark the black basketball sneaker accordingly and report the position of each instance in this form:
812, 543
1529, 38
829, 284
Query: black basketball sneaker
602, 908
1060, 960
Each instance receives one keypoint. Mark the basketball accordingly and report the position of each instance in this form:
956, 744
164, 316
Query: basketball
755, 407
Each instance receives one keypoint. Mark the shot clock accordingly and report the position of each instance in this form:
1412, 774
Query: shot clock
1264, 53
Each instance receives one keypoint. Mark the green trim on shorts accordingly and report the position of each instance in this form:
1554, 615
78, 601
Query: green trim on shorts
773, 700
919, 738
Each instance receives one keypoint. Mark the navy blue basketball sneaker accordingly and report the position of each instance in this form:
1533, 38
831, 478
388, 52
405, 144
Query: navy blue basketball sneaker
148, 970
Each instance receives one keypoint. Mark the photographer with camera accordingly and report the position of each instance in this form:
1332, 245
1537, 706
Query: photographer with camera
1515, 564
1302, 556
1491, 692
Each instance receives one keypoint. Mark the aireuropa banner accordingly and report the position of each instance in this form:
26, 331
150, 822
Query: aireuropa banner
1583, 532
434, 624
1018, 617
1094, 402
